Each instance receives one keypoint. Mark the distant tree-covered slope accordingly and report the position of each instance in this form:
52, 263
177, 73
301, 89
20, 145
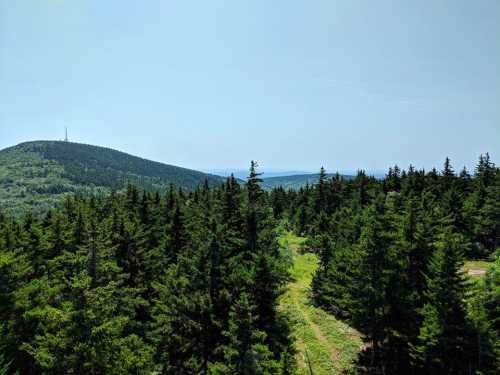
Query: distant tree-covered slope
36, 174
294, 182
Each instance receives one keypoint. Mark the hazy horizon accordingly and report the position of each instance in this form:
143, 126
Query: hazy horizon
242, 172
212, 85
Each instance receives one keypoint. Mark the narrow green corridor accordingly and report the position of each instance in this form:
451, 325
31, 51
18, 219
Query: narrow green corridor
324, 344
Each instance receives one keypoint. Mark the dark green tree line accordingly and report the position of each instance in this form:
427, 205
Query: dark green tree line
135, 282
391, 253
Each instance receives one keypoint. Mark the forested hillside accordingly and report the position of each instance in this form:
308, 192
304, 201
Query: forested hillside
391, 255
293, 181
138, 283
189, 282
37, 174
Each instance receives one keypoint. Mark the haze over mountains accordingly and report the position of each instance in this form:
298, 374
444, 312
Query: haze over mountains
266, 173
295, 181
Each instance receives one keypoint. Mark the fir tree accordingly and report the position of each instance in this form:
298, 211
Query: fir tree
444, 341
246, 352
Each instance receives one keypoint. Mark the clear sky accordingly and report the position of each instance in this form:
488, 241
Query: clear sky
293, 84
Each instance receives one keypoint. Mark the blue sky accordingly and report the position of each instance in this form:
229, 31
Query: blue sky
293, 84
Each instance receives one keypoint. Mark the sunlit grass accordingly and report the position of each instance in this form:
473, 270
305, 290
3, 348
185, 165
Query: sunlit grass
476, 268
324, 343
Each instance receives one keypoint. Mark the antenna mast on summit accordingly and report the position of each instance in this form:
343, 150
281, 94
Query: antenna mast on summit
66, 135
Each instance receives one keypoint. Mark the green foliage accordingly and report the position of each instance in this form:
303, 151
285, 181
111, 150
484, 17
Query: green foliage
391, 257
294, 182
137, 283
37, 175
190, 281
323, 343
490, 312
445, 339
4, 366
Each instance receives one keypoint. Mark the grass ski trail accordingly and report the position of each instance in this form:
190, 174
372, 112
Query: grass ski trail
324, 343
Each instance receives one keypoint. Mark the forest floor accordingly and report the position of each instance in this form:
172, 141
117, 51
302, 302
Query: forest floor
324, 344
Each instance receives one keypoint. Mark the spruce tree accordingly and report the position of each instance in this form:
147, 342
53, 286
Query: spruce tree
372, 281
320, 192
492, 306
445, 336
246, 352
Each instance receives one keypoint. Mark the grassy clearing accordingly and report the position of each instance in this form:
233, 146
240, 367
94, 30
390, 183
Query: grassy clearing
476, 268
324, 343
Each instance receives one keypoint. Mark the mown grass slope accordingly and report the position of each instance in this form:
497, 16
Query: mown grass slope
324, 344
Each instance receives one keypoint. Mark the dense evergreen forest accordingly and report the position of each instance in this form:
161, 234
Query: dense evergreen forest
391, 253
37, 175
185, 282
295, 181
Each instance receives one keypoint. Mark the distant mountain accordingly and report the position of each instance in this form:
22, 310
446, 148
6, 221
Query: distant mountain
36, 174
242, 174
295, 181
